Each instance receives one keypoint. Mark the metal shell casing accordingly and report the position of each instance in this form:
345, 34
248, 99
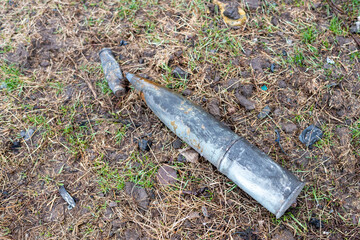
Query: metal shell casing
253, 171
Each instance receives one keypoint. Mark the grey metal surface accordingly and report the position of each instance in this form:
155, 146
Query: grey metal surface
252, 170
67, 197
112, 72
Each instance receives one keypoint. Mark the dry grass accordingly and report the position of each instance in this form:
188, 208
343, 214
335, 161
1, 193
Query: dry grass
86, 138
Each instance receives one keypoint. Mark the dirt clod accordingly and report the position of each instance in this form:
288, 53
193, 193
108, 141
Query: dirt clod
145, 144
283, 235
179, 73
252, 4
214, 108
289, 127
166, 175
232, 84
247, 90
243, 101
177, 143
344, 135
139, 194
131, 234
316, 223
231, 11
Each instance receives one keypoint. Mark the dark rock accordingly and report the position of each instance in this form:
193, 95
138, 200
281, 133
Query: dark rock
186, 92
264, 112
181, 158
282, 84
274, 21
231, 11
256, 65
141, 61
166, 175
316, 223
214, 109
247, 90
177, 143
44, 63
145, 144
179, 73
289, 127
252, 4
243, 101
139, 194
27, 134
232, 84
310, 135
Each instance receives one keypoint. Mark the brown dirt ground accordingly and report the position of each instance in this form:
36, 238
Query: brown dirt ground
87, 139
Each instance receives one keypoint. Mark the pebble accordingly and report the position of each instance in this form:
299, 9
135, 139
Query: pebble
145, 145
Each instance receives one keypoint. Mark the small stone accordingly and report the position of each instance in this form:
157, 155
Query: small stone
166, 175
145, 144
264, 112
310, 135
243, 101
123, 43
190, 154
27, 134
179, 73
141, 61
232, 84
231, 11
177, 143
289, 127
247, 90
181, 158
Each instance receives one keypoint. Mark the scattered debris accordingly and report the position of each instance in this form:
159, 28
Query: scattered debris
316, 223
232, 14
243, 101
3, 86
179, 73
264, 112
177, 143
181, 158
190, 154
67, 197
289, 127
166, 175
139, 194
310, 135
186, 92
145, 144
355, 28
27, 134
264, 88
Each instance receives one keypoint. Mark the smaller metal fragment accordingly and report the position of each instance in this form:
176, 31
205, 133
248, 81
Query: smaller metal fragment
264, 112
67, 197
310, 135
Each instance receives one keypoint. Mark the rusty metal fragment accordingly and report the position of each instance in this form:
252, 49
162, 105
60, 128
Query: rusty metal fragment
112, 72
